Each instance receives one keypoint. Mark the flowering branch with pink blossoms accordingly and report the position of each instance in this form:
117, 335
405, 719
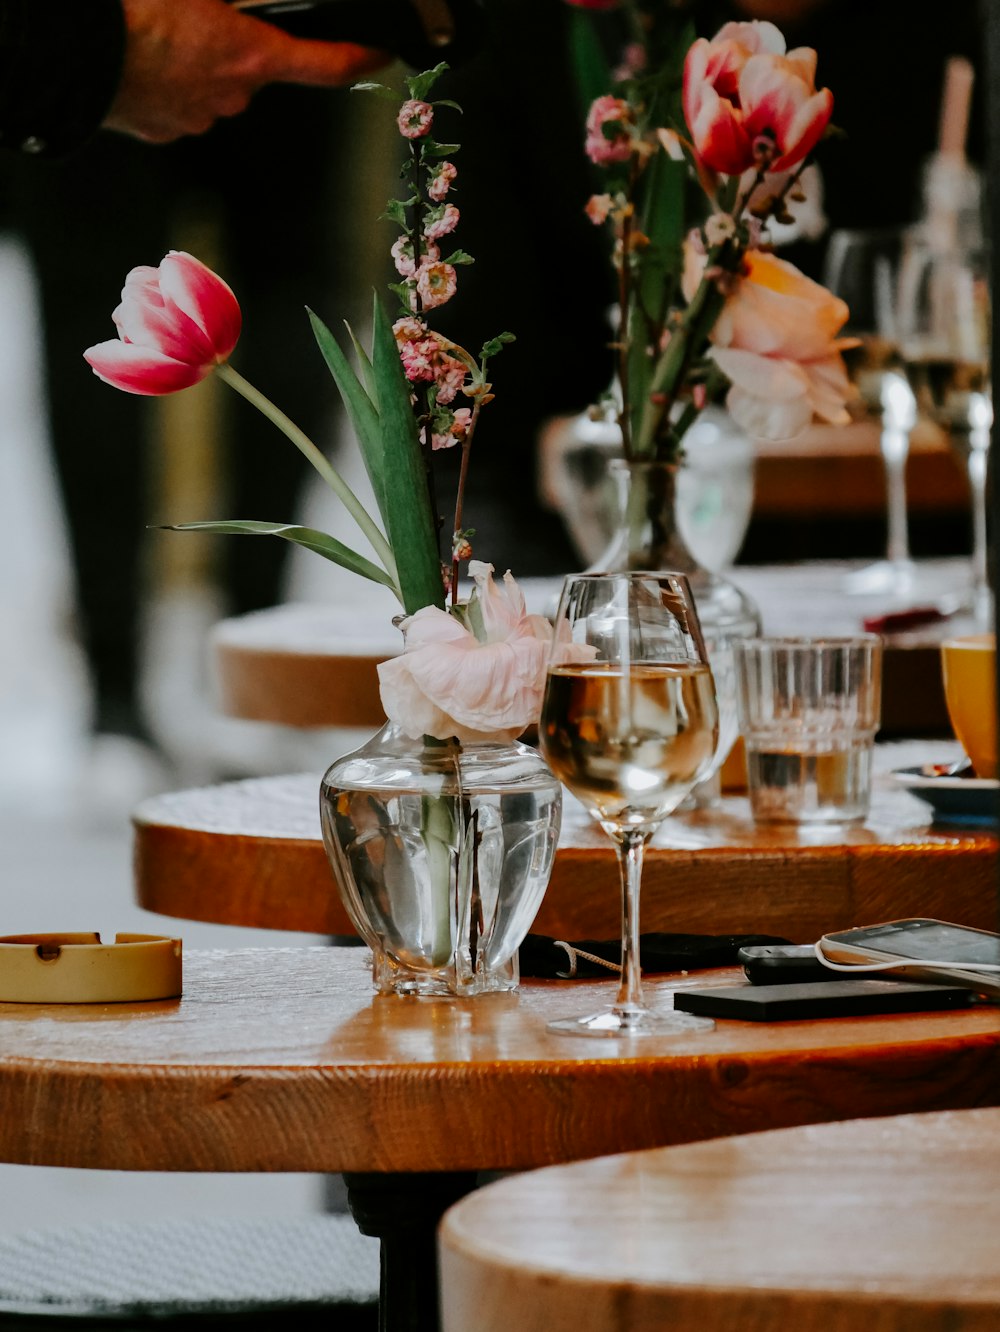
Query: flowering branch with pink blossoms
437, 369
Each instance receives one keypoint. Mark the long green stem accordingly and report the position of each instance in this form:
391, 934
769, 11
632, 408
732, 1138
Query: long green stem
329, 473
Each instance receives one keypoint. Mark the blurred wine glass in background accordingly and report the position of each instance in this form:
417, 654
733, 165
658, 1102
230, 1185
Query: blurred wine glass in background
944, 332
862, 268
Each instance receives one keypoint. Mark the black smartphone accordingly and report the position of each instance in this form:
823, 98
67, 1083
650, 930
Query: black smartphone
784, 964
420, 32
932, 950
790, 1003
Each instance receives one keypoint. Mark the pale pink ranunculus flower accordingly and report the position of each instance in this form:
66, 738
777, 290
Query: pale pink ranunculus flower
415, 118
176, 323
776, 341
743, 96
441, 223
441, 181
436, 283
448, 683
608, 110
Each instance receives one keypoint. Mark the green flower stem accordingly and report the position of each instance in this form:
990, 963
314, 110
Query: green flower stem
699, 320
329, 474
437, 831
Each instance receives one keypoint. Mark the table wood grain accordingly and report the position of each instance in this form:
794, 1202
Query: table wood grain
889, 1225
283, 1060
250, 853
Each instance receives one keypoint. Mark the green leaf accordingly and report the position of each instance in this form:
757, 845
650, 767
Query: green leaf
496, 345
460, 257
663, 221
440, 149
444, 101
379, 89
367, 376
421, 84
360, 407
395, 211
323, 544
406, 507
590, 63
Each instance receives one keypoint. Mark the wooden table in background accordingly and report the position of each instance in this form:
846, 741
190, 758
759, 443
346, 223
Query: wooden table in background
889, 1225
836, 471
283, 1060
250, 853
315, 665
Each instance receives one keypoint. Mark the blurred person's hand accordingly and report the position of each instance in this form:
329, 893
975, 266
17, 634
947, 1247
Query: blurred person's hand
188, 62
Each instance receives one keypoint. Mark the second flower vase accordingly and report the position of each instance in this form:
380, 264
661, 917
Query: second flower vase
648, 537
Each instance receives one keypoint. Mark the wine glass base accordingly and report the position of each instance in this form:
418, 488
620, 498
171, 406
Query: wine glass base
884, 576
618, 1023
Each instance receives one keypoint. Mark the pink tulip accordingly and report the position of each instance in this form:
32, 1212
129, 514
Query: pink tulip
176, 323
776, 341
449, 683
749, 104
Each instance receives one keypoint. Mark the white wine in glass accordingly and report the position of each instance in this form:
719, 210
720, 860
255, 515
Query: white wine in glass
630, 732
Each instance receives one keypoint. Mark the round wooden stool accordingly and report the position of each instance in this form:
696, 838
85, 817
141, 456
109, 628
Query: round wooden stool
882, 1225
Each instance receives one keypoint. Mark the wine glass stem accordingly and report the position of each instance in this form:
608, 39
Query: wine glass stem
895, 445
631, 845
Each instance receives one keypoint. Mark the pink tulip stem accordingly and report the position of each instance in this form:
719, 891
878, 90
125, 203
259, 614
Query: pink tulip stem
329, 474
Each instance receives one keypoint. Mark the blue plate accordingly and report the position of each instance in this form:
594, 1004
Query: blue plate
972, 801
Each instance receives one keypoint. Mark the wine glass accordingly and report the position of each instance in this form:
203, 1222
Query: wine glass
630, 727
944, 327
862, 268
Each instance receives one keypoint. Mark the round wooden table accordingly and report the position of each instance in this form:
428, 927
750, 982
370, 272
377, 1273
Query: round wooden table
282, 1059
888, 1225
250, 853
315, 665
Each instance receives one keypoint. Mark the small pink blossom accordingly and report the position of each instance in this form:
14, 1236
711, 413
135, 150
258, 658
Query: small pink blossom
175, 323
415, 119
598, 207
447, 682
418, 360
402, 254
633, 62
436, 283
441, 221
441, 181
449, 376
601, 149
457, 430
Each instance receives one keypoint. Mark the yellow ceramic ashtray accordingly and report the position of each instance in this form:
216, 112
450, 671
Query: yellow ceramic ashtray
80, 969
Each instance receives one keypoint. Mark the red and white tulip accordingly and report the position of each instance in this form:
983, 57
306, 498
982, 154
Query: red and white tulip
176, 324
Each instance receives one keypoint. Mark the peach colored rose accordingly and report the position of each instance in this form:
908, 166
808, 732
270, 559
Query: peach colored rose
776, 341
448, 682
749, 104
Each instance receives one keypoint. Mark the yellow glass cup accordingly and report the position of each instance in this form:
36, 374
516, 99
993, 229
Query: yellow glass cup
969, 668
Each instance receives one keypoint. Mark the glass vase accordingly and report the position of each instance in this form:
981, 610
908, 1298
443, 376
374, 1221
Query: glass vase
648, 535
441, 853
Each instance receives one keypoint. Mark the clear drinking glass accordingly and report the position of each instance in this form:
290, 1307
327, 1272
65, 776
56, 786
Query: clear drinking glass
944, 328
809, 709
862, 268
630, 731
